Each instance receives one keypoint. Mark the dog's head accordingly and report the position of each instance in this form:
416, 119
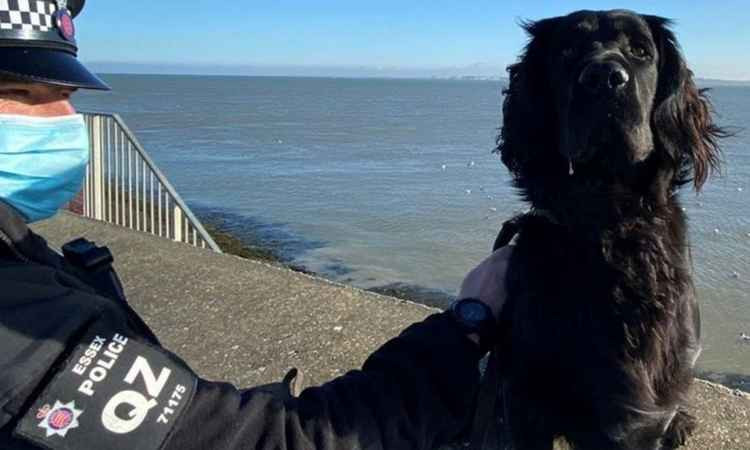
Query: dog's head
609, 93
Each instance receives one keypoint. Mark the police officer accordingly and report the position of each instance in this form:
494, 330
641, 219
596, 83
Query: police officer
80, 370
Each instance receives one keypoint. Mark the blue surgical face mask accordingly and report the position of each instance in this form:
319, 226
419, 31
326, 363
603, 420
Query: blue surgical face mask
42, 162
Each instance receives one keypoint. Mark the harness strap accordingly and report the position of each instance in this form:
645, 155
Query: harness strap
508, 231
484, 434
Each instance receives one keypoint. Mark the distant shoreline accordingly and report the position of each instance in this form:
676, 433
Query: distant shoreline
710, 82
488, 78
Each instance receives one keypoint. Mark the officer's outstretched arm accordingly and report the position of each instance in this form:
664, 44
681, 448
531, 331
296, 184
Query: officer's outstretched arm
415, 392
81, 371
86, 376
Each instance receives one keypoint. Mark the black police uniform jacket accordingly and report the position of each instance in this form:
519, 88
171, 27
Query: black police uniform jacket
79, 369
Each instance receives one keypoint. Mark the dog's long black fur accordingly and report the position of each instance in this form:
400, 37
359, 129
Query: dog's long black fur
604, 328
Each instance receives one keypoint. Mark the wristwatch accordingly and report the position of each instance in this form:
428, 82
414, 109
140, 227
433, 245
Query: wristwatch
475, 317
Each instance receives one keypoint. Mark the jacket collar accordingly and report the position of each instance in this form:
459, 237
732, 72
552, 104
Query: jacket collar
544, 213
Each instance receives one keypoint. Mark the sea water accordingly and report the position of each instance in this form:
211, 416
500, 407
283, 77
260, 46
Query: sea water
373, 182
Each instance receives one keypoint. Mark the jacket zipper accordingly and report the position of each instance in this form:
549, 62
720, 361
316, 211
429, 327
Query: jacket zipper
8, 243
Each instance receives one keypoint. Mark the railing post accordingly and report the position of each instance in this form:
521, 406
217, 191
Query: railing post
101, 189
97, 183
177, 223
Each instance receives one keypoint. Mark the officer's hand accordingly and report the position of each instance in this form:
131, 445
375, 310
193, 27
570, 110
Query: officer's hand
486, 281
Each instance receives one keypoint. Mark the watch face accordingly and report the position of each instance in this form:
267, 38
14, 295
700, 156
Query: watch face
473, 311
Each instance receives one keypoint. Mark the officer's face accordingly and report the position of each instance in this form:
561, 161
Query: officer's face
35, 99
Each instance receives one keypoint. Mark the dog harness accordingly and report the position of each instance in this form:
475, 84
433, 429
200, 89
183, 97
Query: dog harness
485, 431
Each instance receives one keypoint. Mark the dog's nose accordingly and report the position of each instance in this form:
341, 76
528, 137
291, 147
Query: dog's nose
607, 76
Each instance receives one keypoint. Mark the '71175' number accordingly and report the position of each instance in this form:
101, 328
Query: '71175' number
174, 402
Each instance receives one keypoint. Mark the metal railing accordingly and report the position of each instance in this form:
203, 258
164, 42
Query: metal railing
123, 186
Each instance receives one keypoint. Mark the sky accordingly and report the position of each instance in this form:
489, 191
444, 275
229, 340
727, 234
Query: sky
388, 37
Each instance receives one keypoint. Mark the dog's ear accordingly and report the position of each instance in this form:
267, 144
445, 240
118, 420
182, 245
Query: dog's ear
528, 112
682, 115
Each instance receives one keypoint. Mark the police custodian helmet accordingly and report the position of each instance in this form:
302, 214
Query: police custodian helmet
37, 43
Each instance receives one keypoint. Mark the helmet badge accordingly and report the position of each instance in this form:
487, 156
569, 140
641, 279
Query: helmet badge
64, 21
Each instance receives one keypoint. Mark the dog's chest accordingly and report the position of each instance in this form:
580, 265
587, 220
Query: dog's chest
579, 294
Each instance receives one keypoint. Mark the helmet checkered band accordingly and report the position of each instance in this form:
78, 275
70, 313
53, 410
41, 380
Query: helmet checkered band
38, 44
27, 15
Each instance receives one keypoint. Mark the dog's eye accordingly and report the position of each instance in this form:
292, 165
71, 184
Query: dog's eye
568, 52
639, 51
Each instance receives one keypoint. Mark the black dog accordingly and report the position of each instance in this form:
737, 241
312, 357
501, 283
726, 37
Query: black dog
602, 124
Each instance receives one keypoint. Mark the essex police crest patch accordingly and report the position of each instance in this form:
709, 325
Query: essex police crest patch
59, 419
113, 392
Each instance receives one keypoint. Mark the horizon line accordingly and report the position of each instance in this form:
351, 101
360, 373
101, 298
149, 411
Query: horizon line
477, 70
362, 76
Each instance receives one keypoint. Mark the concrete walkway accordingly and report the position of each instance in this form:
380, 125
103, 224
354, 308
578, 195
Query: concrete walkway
215, 310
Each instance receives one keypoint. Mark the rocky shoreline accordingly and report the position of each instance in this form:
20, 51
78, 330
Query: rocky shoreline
254, 247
